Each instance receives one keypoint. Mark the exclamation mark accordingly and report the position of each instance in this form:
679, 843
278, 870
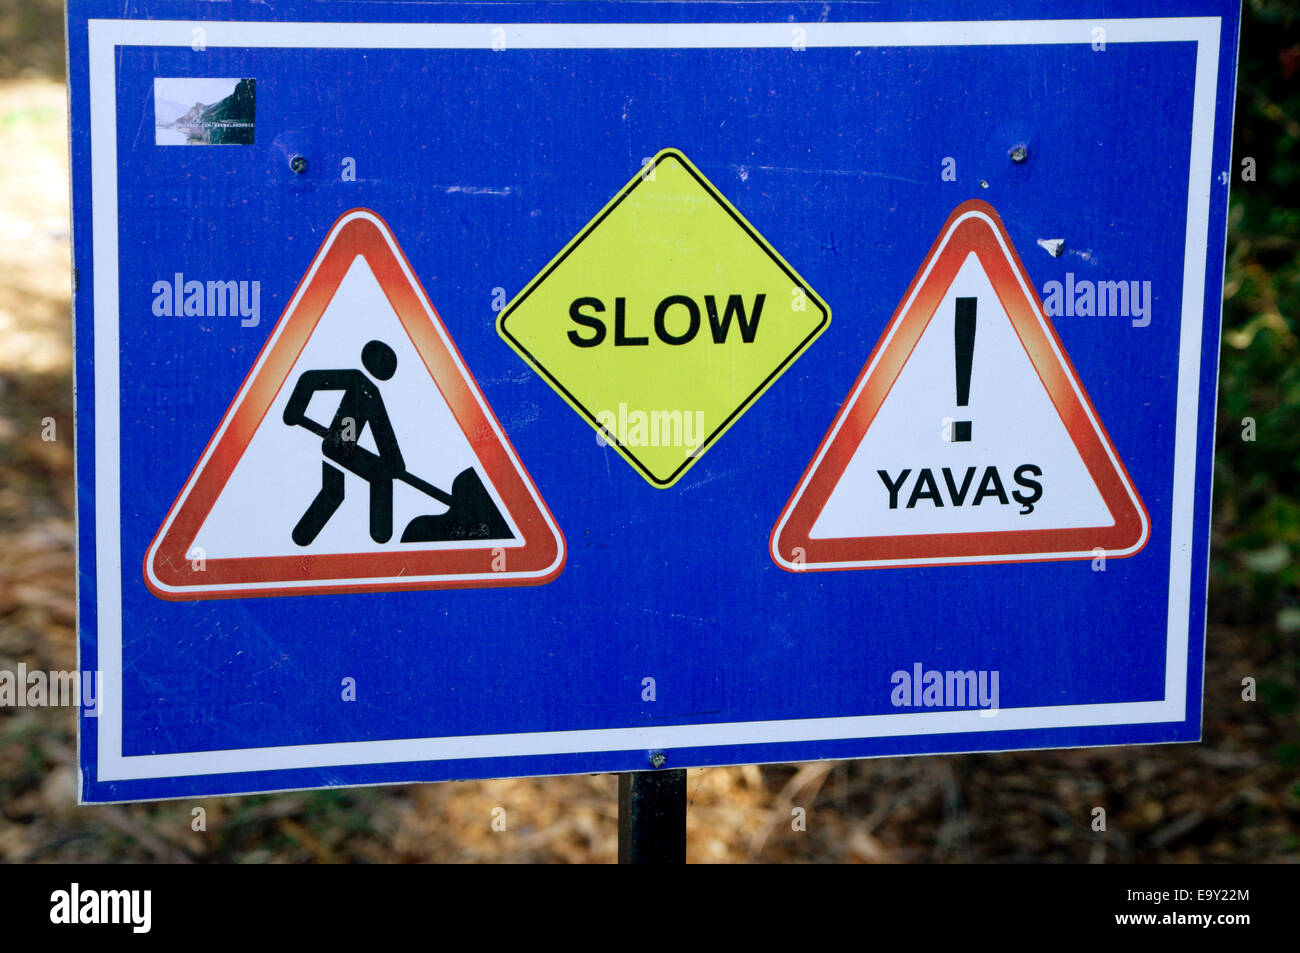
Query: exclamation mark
964, 346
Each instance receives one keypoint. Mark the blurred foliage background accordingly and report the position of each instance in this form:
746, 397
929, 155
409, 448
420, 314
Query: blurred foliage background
1255, 577
1234, 797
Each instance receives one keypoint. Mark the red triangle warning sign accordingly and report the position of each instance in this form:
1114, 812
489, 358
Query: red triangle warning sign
967, 438
359, 454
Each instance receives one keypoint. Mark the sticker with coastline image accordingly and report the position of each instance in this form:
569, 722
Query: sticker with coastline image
191, 111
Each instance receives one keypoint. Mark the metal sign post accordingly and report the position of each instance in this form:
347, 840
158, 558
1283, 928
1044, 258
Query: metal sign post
652, 817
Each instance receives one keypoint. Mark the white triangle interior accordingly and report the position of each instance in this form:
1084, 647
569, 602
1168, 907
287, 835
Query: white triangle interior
1013, 423
279, 472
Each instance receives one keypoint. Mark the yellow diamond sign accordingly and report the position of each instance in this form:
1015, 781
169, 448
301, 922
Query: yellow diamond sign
664, 319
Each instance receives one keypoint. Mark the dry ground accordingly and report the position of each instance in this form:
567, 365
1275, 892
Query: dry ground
1235, 797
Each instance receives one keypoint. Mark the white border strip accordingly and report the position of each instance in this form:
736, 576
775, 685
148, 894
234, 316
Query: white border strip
105, 36
647, 36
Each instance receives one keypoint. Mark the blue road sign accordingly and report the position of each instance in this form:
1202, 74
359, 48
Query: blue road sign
483, 390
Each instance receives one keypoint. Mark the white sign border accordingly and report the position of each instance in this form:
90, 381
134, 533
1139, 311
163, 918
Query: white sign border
107, 35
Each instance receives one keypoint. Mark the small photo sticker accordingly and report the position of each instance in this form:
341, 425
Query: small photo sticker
191, 111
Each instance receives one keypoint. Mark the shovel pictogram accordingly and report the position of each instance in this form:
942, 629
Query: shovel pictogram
471, 512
